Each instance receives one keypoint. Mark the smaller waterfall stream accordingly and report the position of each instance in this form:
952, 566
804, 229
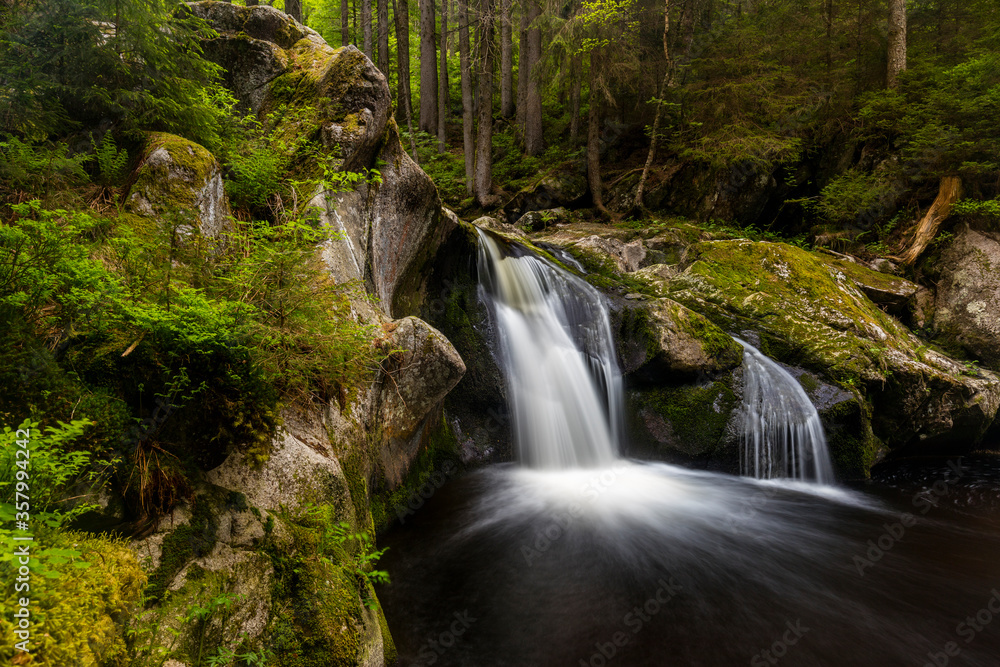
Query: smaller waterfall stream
781, 434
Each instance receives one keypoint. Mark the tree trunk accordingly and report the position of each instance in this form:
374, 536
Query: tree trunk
533, 139
576, 72
251, 3
366, 27
294, 9
383, 36
594, 136
345, 19
428, 69
484, 140
664, 87
523, 66
443, 79
506, 62
402, 12
897, 42
949, 192
467, 119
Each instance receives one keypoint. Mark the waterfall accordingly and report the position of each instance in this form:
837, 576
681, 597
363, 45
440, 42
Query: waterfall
558, 356
781, 434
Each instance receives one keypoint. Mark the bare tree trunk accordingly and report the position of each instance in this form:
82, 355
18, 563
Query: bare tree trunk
594, 136
366, 27
484, 140
428, 69
294, 9
443, 79
576, 72
897, 41
467, 115
949, 192
383, 36
523, 67
506, 61
251, 3
402, 12
664, 87
345, 19
533, 139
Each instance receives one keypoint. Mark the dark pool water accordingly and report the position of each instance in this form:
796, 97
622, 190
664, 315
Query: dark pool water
649, 564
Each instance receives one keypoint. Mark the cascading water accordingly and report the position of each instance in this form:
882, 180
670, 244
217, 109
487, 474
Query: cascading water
563, 380
579, 557
781, 433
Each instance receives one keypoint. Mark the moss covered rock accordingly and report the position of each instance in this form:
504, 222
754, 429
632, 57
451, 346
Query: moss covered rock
338, 101
810, 312
659, 339
178, 177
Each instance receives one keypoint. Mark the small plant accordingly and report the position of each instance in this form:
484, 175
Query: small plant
359, 545
112, 163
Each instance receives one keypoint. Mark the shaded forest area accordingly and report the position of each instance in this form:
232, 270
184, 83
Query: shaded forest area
849, 114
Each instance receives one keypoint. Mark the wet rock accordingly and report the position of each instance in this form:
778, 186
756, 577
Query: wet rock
814, 314
661, 340
424, 369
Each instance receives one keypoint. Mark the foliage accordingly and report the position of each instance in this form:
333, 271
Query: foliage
75, 615
856, 197
76, 62
39, 169
111, 162
340, 536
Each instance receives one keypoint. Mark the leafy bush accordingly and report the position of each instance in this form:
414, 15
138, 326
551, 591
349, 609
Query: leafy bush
854, 196
39, 169
66, 63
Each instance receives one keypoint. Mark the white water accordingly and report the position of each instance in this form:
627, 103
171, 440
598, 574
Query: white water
563, 381
781, 433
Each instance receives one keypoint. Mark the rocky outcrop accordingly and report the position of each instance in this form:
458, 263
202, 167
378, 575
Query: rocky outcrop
392, 220
810, 312
967, 310
177, 177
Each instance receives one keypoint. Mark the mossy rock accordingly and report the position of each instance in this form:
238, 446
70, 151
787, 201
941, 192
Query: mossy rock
179, 178
691, 423
660, 339
811, 313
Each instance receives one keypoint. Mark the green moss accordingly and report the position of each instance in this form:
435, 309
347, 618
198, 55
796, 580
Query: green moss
183, 544
694, 416
75, 617
806, 312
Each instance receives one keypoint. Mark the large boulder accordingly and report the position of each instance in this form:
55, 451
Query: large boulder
968, 298
423, 368
387, 209
810, 312
177, 177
